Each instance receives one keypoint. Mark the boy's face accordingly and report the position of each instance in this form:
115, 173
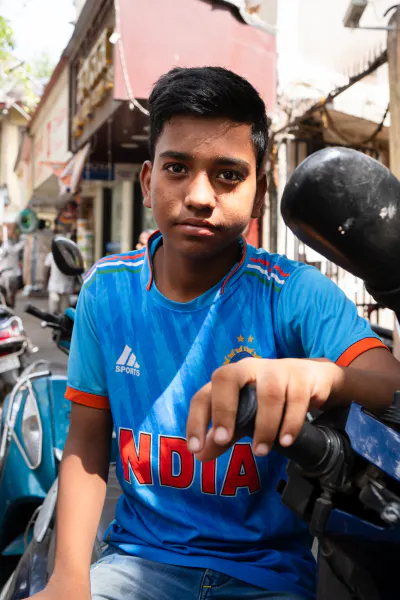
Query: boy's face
202, 187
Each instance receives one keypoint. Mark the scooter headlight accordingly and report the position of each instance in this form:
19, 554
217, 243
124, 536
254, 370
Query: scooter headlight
32, 432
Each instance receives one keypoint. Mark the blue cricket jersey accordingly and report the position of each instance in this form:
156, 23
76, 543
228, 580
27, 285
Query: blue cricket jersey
144, 356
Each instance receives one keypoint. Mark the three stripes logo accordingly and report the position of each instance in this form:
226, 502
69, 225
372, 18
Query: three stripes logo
127, 363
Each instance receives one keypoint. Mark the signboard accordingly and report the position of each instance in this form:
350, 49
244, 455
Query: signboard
94, 81
98, 172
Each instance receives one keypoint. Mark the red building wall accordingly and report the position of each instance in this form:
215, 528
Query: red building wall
160, 34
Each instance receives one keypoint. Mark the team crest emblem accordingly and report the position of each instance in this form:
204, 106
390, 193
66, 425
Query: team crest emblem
242, 351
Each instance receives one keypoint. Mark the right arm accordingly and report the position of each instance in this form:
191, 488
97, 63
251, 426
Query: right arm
82, 489
84, 468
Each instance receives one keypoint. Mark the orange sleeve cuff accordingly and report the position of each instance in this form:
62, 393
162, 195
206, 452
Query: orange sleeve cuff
90, 400
357, 349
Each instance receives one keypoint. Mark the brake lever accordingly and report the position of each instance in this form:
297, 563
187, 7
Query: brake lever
46, 324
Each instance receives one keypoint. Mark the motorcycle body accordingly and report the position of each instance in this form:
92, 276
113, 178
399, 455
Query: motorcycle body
350, 497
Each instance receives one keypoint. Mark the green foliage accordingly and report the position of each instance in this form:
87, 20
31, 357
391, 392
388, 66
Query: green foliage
6, 39
19, 80
43, 66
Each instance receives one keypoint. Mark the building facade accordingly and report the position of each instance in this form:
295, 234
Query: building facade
13, 122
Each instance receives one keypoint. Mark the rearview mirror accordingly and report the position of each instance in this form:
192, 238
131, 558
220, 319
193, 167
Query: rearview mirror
346, 206
67, 256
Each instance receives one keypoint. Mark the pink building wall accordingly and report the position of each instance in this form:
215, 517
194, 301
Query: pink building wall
160, 34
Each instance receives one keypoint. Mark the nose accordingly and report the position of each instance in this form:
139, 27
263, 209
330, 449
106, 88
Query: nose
200, 194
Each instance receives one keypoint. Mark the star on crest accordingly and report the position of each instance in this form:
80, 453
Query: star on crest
242, 348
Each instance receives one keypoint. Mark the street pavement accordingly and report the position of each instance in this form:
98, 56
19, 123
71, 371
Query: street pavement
39, 336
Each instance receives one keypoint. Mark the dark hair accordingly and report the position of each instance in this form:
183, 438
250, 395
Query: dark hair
208, 92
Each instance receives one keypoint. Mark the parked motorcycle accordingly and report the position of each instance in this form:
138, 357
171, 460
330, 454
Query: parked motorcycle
15, 349
33, 430
343, 471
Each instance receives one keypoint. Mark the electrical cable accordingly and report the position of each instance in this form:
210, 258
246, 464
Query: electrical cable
132, 99
390, 9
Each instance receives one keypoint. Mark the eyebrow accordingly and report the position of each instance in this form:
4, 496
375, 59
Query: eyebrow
226, 161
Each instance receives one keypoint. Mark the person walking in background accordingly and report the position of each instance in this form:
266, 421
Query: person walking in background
60, 287
143, 237
10, 252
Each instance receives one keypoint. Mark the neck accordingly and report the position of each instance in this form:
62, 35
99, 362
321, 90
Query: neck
182, 279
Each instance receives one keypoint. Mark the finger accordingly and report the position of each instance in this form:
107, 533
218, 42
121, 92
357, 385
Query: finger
226, 385
199, 418
297, 404
211, 450
271, 398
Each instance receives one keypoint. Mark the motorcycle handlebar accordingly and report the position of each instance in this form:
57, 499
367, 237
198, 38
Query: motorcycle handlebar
42, 315
311, 448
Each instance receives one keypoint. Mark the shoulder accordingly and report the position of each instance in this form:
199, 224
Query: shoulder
273, 270
131, 262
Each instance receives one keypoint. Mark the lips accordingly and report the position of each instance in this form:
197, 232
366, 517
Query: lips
198, 223
198, 228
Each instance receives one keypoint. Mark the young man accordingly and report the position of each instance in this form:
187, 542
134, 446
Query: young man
190, 321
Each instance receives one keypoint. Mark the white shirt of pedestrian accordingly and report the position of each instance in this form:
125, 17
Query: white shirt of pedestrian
58, 282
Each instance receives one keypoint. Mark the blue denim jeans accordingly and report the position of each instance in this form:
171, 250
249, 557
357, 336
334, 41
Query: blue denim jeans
119, 576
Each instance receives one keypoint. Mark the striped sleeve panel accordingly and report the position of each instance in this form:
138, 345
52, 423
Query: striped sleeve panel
266, 273
112, 264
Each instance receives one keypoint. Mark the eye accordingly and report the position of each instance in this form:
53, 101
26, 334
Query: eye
175, 168
231, 176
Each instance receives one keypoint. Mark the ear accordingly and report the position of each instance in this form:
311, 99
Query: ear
145, 179
261, 190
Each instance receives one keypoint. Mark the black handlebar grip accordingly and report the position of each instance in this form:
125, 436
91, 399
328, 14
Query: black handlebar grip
309, 449
41, 314
247, 410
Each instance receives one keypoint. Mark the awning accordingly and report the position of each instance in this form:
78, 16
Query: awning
63, 184
250, 51
69, 179
342, 128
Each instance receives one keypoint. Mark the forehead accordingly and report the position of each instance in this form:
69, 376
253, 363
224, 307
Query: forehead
206, 138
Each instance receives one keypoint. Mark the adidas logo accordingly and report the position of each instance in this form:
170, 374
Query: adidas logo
127, 363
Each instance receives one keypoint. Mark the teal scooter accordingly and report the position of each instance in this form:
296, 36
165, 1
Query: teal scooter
33, 429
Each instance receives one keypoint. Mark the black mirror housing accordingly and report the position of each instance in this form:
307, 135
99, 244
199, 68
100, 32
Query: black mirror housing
67, 256
346, 206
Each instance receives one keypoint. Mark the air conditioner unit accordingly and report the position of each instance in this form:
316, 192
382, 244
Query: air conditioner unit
354, 13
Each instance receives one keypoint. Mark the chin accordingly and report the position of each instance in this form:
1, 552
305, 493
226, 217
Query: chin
198, 249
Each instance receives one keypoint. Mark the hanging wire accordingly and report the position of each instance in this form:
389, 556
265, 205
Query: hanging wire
390, 9
132, 100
